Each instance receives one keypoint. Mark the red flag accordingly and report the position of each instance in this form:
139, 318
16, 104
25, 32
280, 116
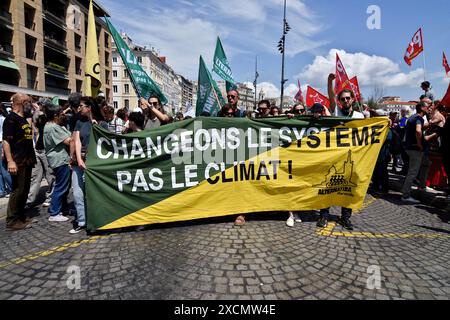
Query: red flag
445, 64
313, 96
446, 99
342, 81
299, 96
415, 47
355, 88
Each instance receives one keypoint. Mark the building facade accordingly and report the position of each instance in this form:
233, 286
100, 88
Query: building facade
177, 89
42, 47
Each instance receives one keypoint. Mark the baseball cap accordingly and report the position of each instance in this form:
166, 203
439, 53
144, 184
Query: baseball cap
317, 107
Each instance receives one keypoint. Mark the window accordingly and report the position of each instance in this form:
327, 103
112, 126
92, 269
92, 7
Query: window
127, 103
125, 73
127, 88
115, 89
116, 105
114, 59
115, 73
140, 59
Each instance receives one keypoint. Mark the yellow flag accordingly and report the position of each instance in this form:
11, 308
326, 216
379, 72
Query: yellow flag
93, 80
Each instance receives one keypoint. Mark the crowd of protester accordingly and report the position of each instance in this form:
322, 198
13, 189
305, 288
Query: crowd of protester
41, 140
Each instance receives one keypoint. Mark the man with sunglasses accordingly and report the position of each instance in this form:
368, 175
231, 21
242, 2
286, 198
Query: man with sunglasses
233, 99
346, 99
154, 113
263, 109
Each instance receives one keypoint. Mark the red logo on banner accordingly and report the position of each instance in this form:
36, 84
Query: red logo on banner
313, 96
342, 81
445, 64
355, 88
415, 47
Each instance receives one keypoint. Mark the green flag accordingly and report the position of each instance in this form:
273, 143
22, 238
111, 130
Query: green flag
221, 66
143, 84
209, 98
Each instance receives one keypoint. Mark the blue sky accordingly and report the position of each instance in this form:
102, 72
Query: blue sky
184, 29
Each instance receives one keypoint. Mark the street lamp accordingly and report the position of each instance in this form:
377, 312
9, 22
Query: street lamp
282, 49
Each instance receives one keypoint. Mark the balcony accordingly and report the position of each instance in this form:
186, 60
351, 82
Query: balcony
55, 19
7, 50
56, 70
55, 43
57, 90
6, 18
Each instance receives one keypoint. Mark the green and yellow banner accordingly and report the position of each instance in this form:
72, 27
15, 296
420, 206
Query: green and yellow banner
210, 167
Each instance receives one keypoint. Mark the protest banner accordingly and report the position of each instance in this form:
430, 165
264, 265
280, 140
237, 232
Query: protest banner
210, 167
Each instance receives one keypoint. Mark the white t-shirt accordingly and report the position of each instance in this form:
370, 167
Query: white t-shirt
353, 115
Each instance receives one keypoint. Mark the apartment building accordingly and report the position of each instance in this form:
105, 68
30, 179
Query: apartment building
42, 47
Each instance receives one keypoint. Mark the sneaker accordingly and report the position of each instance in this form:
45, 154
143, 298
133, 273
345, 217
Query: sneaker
140, 228
290, 222
58, 218
347, 224
46, 204
18, 225
298, 220
77, 229
427, 189
410, 200
322, 223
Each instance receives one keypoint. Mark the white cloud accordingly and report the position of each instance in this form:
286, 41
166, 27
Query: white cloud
268, 88
371, 70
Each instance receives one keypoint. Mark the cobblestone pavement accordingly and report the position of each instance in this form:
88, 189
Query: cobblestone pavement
213, 259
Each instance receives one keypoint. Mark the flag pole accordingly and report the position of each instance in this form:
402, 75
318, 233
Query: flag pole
424, 61
424, 67
256, 81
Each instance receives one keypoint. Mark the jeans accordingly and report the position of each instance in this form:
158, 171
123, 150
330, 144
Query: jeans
415, 162
346, 213
5, 177
79, 195
40, 170
18, 198
60, 189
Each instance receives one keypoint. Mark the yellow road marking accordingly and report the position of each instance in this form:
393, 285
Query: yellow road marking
50, 251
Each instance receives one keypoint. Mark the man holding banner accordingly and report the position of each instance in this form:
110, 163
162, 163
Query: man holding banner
346, 98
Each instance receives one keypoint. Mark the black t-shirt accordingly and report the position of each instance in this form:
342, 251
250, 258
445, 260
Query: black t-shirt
17, 131
410, 131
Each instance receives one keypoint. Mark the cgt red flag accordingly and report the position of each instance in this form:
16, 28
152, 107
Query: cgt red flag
415, 47
299, 96
355, 87
342, 81
445, 64
313, 96
446, 99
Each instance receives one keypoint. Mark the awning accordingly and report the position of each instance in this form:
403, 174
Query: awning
8, 64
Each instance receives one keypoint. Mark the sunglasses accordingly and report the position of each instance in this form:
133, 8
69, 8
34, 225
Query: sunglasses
155, 104
346, 99
296, 111
231, 97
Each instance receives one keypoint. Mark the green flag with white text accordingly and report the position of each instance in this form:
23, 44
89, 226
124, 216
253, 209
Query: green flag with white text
143, 84
209, 98
221, 66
